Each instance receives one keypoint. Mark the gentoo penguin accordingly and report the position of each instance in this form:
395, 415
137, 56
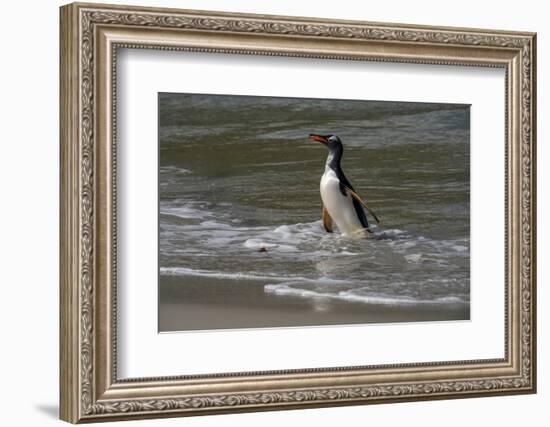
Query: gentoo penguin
341, 203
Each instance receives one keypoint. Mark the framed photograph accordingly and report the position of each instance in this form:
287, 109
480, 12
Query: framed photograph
266, 212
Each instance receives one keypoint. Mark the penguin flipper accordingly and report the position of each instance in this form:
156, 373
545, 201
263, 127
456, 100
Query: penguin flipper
362, 202
327, 220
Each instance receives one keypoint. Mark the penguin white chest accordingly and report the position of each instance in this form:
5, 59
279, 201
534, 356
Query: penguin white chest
340, 207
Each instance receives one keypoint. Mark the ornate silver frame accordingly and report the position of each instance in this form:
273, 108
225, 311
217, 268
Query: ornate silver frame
90, 36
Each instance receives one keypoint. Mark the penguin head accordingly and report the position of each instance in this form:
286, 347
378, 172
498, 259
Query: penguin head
332, 142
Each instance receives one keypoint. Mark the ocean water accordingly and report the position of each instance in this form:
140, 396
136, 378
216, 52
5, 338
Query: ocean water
239, 198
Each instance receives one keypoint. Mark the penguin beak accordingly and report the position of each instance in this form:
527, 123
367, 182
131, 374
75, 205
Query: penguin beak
318, 138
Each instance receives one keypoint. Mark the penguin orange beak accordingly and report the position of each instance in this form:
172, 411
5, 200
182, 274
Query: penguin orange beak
318, 138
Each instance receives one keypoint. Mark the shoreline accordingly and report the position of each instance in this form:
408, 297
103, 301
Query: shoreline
191, 303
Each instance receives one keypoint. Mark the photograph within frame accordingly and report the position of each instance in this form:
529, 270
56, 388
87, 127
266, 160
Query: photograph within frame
244, 241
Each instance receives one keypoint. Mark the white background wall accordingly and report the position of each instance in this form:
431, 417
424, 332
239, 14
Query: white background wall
29, 170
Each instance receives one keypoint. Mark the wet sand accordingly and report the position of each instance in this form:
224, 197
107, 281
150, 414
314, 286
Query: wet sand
202, 303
